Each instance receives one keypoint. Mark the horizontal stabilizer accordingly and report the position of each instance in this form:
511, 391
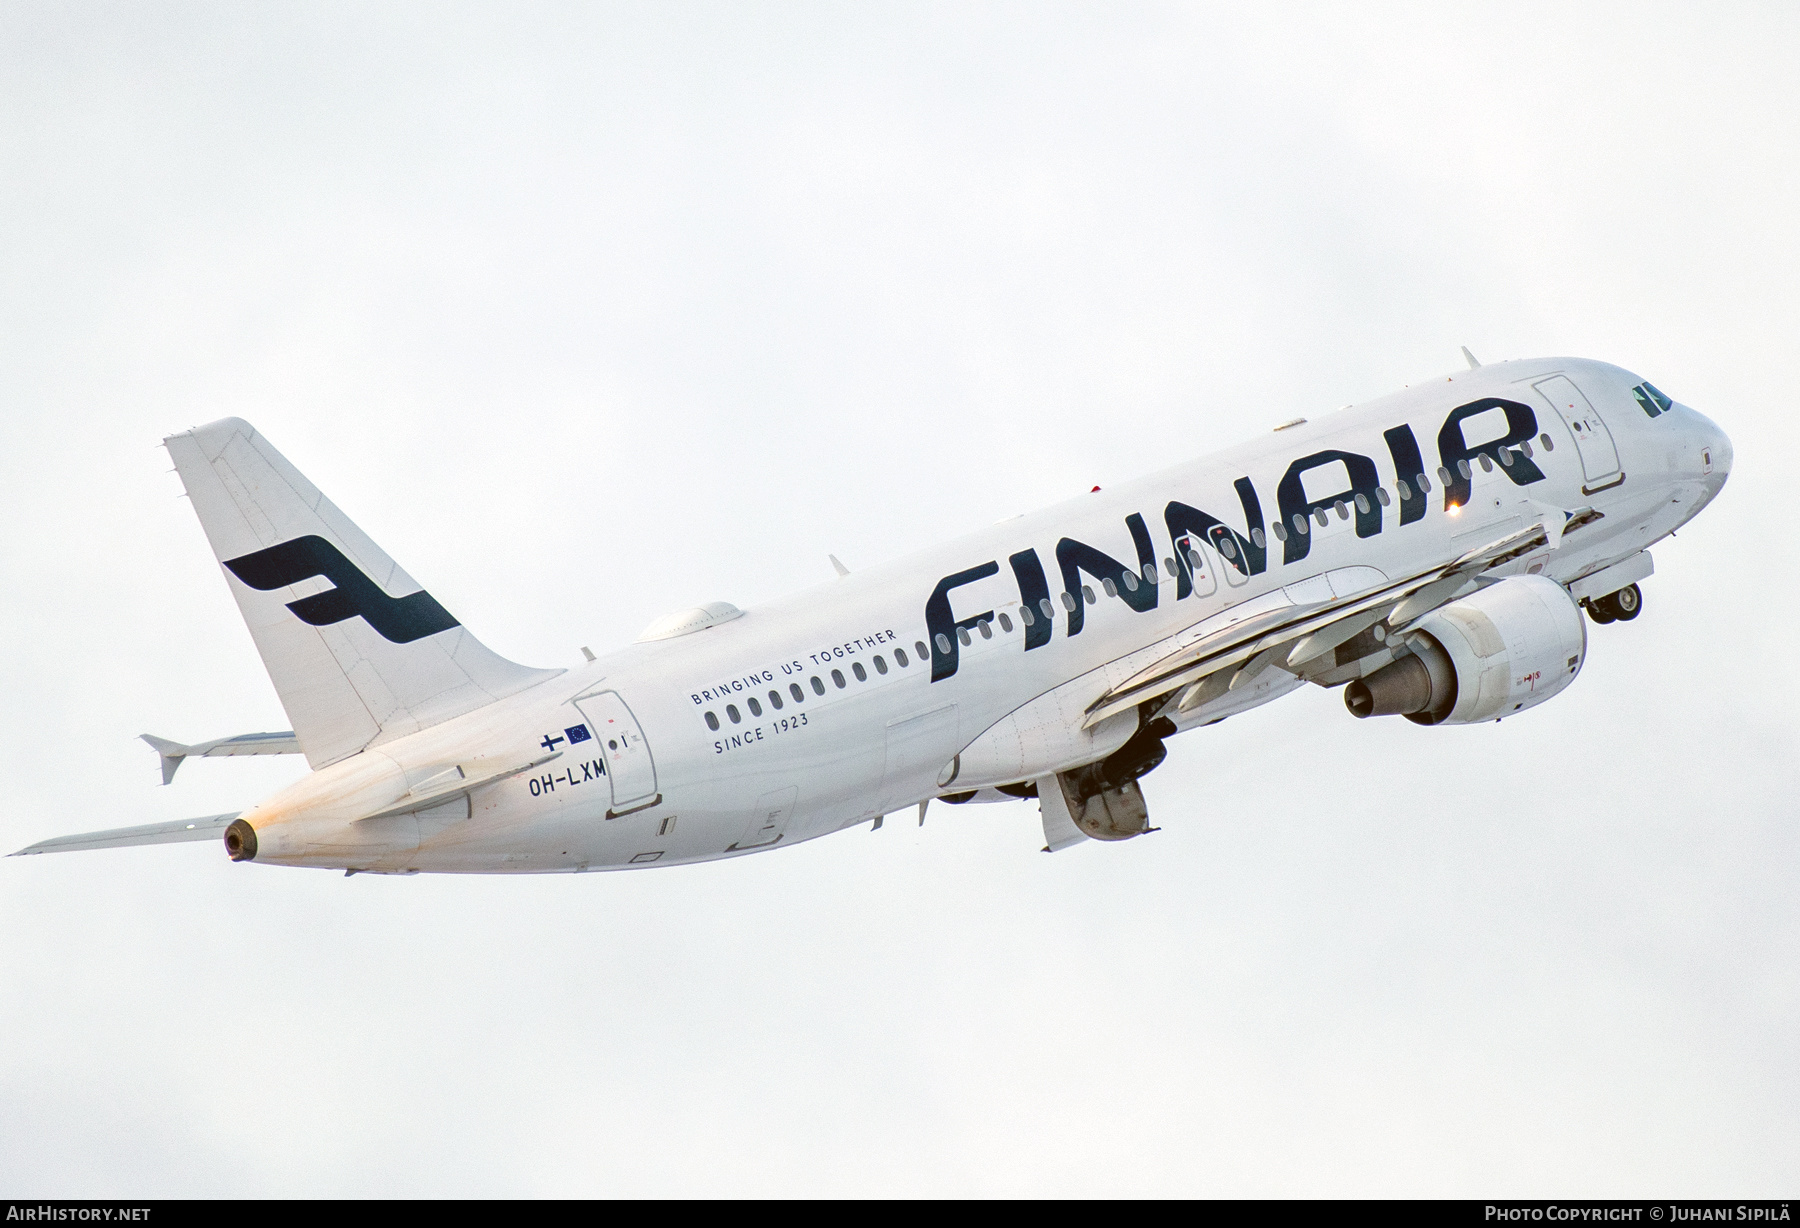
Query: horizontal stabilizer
173, 753
180, 831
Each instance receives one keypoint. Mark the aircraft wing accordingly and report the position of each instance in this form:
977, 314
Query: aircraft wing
181, 830
1294, 633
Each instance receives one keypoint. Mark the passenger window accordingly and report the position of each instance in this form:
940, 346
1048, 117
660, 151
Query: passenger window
775, 700
924, 652
1300, 524
817, 686
837, 678
1362, 503
1111, 589
1149, 573
1088, 592
880, 666
987, 631
1005, 625
1048, 609
755, 708
796, 692
1228, 548
1546, 442
1424, 484
1487, 462
1382, 494
1025, 616
1280, 533
1131, 581
1506, 457
1342, 509
1526, 449
1462, 467
1443, 475
862, 675
732, 712
1068, 601
1321, 517
900, 656
962, 633
943, 643
1169, 566
712, 722
1256, 535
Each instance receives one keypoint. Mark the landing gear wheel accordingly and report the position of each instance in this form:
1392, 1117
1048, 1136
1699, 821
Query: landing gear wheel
1627, 603
1600, 610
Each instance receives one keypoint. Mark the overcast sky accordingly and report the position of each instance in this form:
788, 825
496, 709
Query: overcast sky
589, 312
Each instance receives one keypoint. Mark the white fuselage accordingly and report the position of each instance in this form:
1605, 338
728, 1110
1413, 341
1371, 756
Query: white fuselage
778, 770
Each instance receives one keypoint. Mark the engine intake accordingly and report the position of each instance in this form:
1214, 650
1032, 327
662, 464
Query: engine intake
1496, 652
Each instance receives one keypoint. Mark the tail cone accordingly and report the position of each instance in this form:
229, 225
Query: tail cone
240, 841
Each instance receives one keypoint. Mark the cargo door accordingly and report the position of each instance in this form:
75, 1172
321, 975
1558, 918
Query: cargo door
773, 809
917, 748
1599, 456
626, 753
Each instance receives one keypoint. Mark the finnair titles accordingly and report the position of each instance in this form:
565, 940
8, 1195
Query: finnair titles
1430, 552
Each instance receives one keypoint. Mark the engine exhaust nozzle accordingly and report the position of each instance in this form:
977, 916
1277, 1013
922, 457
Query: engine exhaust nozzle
1420, 687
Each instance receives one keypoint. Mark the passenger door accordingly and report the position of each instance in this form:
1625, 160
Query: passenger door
1599, 455
627, 755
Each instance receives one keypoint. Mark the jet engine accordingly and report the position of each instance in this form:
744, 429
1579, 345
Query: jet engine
1508, 647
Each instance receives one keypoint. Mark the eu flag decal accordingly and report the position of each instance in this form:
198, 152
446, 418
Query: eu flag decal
578, 733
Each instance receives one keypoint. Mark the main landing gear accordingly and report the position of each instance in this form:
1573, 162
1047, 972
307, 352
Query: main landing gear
1622, 606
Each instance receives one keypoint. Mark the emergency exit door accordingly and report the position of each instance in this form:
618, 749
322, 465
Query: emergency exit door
628, 763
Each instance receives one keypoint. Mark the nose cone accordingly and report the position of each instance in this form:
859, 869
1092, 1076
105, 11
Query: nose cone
1715, 450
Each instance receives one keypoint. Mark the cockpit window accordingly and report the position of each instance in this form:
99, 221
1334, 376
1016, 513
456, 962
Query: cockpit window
1651, 399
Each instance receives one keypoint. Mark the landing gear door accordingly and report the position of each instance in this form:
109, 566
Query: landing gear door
1599, 456
628, 763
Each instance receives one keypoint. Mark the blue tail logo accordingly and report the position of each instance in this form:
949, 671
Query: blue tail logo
400, 620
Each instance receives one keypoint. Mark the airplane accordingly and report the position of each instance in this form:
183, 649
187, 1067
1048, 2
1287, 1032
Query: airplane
1430, 552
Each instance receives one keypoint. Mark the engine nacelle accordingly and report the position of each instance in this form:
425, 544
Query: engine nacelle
1501, 650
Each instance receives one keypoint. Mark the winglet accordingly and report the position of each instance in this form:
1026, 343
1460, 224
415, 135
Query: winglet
839, 567
1473, 364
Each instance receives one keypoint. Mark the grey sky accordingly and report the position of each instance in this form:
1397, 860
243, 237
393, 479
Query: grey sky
590, 312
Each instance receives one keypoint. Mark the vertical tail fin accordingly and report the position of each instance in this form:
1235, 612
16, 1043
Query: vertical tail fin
358, 652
